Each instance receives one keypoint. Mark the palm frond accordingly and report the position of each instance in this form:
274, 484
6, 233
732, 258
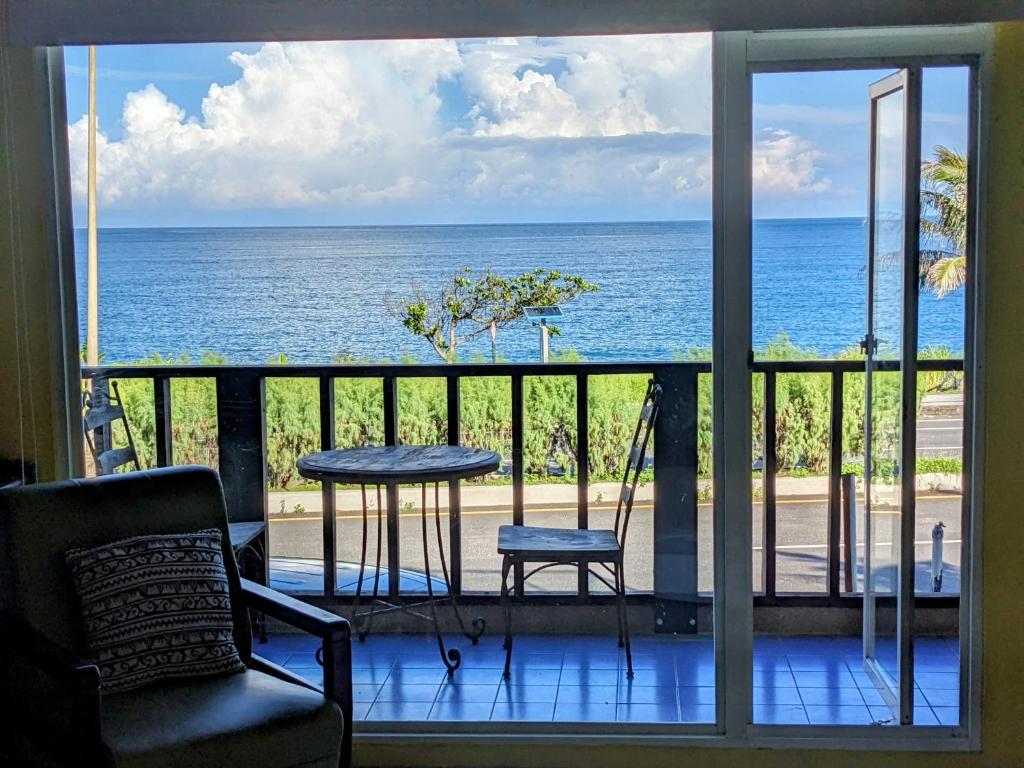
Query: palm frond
944, 223
947, 275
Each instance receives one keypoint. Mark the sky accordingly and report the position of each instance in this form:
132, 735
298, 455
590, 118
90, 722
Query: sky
461, 131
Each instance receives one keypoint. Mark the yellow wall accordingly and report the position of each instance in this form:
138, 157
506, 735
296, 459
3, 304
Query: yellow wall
1003, 680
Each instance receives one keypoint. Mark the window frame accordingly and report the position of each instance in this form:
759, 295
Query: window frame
736, 57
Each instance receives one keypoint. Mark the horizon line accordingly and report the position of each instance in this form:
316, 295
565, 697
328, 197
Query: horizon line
461, 224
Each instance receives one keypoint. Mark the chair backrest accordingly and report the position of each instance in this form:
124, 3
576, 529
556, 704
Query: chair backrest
39, 523
102, 409
635, 460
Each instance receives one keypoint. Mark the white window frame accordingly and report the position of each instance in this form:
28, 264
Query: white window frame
736, 56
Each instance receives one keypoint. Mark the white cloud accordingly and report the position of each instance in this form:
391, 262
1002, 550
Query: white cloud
783, 162
303, 125
539, 123
599, 86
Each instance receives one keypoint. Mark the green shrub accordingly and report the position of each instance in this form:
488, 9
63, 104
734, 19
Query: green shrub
803, 403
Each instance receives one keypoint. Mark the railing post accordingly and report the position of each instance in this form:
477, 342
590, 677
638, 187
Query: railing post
850, 532
835, 468
582, 471
769, 563
517, 468
454, 489
675, 501
327, 488
391, 438
241, 444
102, 437
163, 423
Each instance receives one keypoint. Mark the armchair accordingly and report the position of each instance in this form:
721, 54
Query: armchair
264, 717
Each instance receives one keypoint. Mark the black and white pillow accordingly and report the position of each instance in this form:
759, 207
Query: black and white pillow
156, 607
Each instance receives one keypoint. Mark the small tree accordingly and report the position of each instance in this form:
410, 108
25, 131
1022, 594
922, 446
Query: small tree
480, 302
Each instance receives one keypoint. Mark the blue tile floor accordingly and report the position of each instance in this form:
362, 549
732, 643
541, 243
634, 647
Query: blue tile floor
582, 678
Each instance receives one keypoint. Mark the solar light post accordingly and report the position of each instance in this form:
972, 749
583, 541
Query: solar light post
937, 537
539, 316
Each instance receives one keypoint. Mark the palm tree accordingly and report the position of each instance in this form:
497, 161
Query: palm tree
944, 200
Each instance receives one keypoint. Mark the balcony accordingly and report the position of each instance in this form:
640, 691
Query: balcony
806, 567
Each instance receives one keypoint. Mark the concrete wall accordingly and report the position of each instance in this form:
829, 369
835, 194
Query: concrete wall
1003, 698
31, 420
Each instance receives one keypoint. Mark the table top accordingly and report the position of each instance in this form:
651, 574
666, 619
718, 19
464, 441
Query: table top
375, 464
242, 534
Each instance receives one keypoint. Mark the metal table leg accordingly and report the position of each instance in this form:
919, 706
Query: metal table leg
452, 658
362, 632
479, 623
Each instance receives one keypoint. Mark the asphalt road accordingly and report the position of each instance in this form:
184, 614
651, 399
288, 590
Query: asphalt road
940, 427
801, 542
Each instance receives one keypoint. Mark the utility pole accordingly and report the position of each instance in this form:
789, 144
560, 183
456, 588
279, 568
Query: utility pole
92, 340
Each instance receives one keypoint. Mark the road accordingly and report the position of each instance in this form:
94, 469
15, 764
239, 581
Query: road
940, 427
801, 542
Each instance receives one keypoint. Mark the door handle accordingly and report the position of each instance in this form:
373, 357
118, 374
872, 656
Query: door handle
869, 345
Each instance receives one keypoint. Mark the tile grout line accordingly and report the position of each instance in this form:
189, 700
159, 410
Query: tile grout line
799, 690
871, 717
675, 675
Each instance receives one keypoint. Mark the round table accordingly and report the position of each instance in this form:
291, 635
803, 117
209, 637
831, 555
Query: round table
391, 466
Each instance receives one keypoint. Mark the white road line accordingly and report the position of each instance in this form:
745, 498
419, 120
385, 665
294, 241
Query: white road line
346, 515
859, 546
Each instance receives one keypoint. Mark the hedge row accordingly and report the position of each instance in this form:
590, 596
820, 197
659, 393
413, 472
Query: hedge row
293, 419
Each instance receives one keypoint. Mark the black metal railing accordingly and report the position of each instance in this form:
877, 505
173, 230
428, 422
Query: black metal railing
836, 370
241, 440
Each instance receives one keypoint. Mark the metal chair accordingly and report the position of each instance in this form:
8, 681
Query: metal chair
100, 410
547, 547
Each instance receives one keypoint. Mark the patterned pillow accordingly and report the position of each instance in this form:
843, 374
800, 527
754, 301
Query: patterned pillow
156, 607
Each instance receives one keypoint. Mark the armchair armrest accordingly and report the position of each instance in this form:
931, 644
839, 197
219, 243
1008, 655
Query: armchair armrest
335, 632
82, 678
298, 614
26, 641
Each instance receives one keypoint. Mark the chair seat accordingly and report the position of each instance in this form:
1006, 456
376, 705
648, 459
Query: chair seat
249, 719
557, 544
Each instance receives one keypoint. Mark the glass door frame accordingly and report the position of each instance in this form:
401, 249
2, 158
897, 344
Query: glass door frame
740, 56
898, 693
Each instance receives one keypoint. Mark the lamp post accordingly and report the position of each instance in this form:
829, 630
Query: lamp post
92, 341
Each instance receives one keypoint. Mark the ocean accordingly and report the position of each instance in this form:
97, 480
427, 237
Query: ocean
314, 293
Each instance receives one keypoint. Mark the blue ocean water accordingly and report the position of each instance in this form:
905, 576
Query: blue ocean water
314, 293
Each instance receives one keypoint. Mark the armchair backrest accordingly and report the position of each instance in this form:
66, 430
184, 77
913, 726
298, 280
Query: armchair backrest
39, 523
